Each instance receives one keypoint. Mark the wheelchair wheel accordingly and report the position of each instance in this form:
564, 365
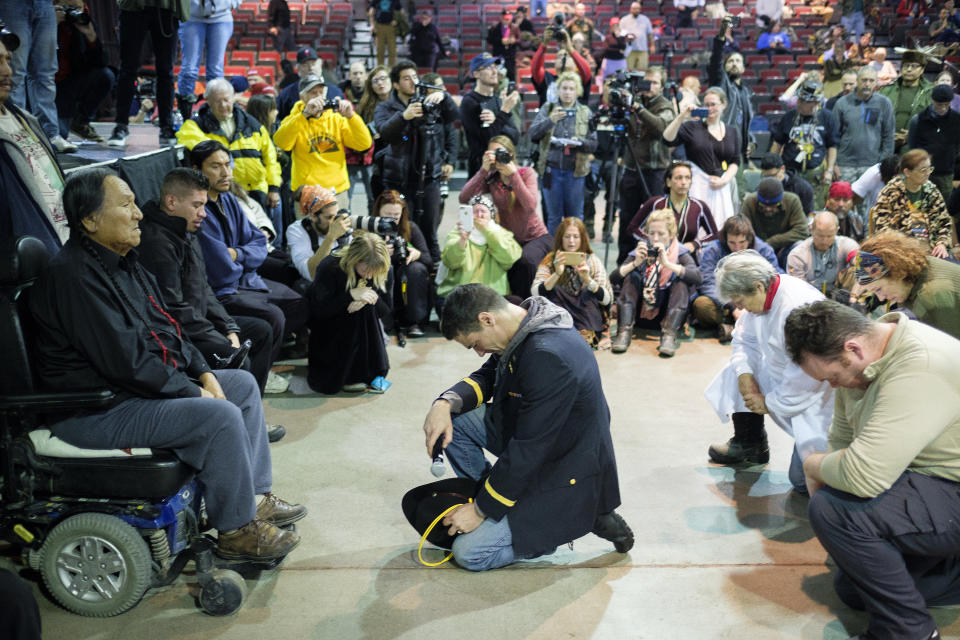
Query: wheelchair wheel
95, 564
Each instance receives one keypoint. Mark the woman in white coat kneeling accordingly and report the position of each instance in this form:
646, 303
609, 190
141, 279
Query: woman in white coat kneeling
760, 378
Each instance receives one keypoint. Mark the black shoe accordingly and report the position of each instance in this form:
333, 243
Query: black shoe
610, 526
118, 139
168, 137
275, 432
414, 331
734, 451
401, 338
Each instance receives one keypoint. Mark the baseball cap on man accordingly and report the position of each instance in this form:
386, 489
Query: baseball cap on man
770, 191
483, 60
258, 88
306, 53
309, 82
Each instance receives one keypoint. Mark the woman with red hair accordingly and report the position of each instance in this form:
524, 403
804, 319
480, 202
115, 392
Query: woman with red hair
572, 276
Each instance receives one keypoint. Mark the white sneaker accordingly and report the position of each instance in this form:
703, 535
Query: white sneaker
276, 383
61, 145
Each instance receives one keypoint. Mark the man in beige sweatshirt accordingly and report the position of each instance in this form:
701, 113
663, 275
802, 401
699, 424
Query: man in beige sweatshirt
885, 498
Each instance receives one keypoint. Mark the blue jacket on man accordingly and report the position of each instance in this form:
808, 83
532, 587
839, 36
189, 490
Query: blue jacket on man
226, 227
714, 251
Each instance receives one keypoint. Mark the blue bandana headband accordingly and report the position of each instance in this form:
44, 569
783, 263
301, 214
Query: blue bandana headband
869, 267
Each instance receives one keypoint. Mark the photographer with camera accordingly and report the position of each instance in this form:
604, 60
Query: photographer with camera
568, 59
322, 230
573, 278
566, 143
637, 103
513, 190
83, 78
316, 133
412, 265
713, 150
255, 158
419, 129
484, 113
477, 250
727, 74
655, 284
348, 297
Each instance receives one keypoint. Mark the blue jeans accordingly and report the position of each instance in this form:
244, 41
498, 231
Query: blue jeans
853, 23
564, 198
35, 61
207, 40
490, 545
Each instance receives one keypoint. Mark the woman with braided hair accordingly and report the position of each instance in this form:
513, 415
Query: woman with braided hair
101, 323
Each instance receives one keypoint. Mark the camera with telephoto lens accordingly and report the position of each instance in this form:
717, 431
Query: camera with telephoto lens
502, 156
557, 30
75, 15
386, 228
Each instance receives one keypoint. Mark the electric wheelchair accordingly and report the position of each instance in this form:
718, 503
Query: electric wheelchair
101, 527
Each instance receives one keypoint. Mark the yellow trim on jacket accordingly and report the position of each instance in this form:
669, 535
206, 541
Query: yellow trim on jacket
496, 496
253, 174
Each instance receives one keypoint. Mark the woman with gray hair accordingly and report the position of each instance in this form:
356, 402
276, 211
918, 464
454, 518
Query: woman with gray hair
760, 377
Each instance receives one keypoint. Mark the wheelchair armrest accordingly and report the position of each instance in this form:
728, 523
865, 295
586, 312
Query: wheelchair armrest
51, 402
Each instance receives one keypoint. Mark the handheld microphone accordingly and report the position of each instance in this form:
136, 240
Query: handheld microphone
438, 468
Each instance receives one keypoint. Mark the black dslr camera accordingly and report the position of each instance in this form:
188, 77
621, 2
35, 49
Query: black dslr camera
557, 30
653, 253
74, 15
431, 111
502, 156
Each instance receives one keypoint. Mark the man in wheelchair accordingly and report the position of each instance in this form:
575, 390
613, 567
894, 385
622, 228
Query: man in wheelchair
101, 324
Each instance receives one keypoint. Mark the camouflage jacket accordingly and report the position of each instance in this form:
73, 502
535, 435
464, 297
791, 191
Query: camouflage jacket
926, 220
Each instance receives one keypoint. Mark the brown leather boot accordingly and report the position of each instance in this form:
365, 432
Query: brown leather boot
621, 342
279, 512
256, 541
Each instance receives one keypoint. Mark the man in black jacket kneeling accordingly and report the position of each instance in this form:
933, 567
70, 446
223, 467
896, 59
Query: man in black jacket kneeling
547, 420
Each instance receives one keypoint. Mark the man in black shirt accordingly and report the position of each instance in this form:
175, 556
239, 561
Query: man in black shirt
936, 129
278, 15
483, 114
169, 250
807, 138
100, 324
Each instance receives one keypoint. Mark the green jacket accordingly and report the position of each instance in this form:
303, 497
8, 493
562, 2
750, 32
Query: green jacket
486, 264
846, 6
920, 102
935, 298
782, 228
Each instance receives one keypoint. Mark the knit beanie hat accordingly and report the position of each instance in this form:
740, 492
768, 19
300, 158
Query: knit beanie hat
770, 191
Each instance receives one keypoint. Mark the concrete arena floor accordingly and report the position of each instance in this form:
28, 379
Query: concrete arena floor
720, 552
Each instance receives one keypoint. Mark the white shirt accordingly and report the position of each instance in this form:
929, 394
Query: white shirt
868, 186
800, 405
298, 241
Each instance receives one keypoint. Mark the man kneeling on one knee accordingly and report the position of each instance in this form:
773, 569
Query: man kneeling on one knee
101, 323
555, 478
885, 498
